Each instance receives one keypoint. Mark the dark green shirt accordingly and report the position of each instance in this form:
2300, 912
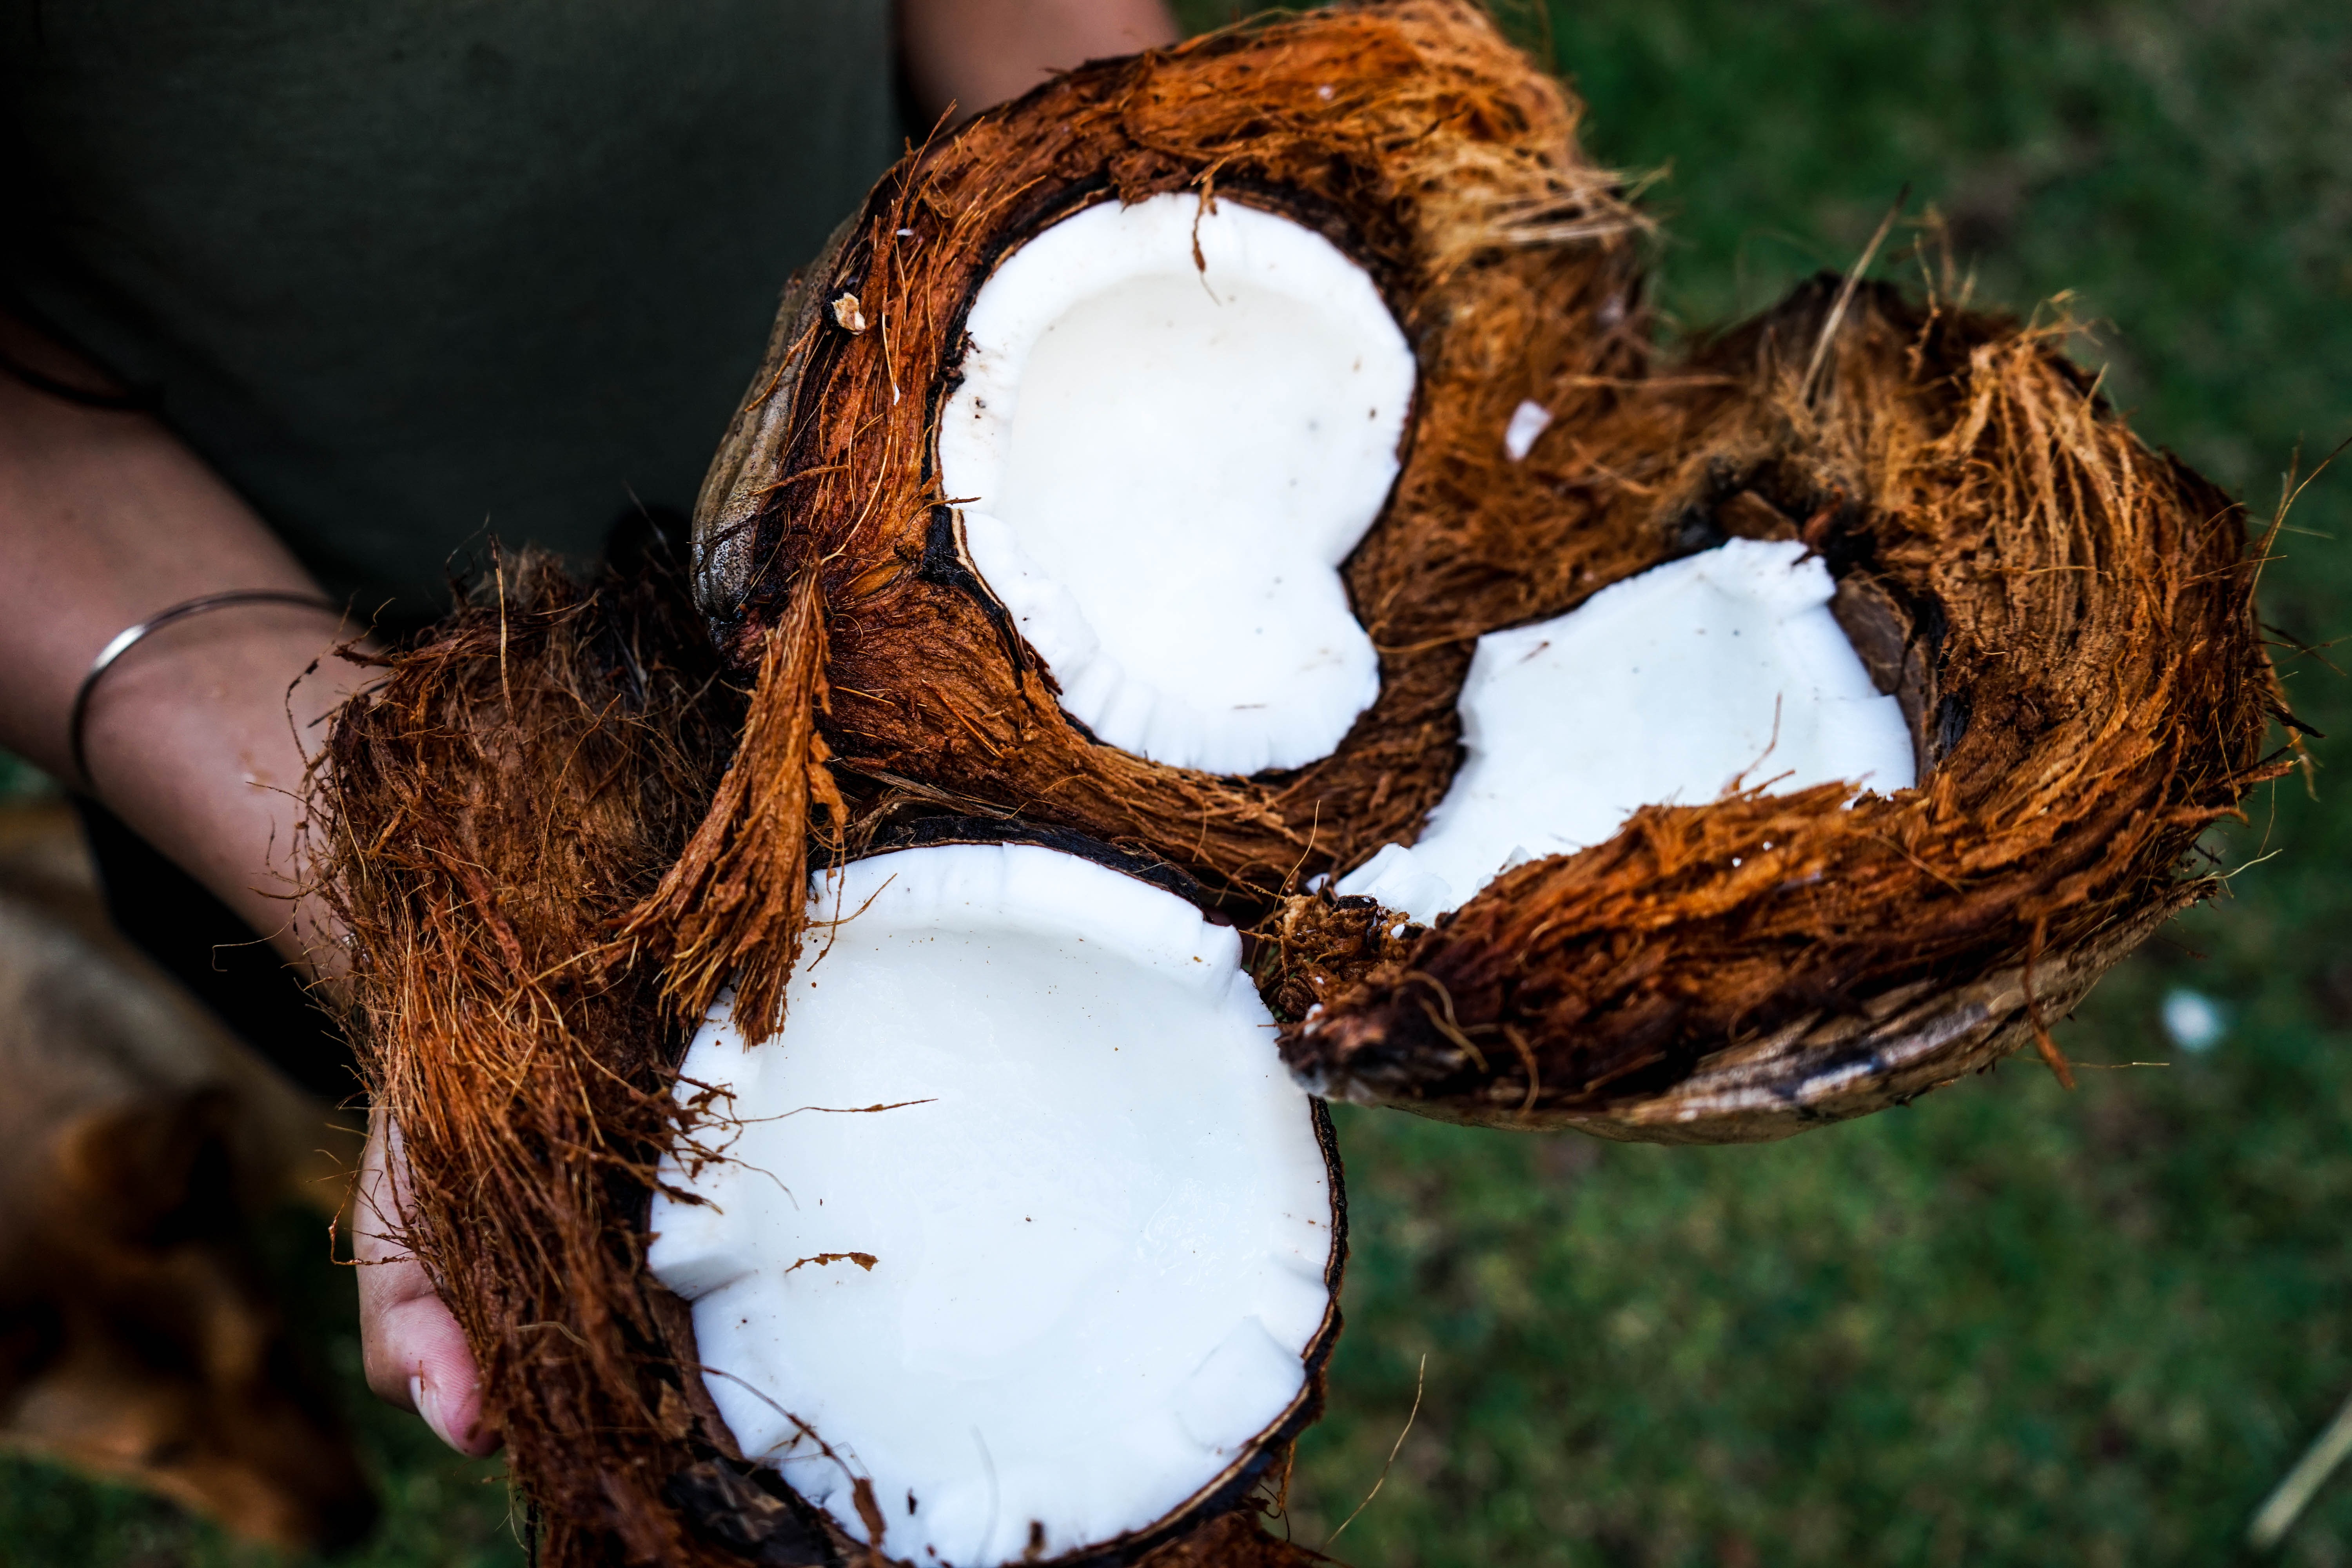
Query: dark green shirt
413, 272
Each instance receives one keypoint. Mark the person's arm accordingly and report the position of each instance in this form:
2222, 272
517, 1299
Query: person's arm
972, 54
198, 736
107, 519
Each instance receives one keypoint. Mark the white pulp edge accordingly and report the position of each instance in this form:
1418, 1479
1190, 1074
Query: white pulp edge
1163, 462
1100, 1237
1722, 671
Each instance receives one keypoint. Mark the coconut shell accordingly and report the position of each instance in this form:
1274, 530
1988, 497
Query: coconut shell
1422, 144
557, 828
498, 815
2065, 615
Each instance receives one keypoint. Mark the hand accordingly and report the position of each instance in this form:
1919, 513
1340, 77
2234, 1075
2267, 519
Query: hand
414, 1352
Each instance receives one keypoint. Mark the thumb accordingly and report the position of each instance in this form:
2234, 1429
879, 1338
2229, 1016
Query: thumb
415, 1356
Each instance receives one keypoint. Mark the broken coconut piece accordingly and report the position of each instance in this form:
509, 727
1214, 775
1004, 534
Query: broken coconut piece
1720, 673
1019, 1222
1529, 420
1171, 423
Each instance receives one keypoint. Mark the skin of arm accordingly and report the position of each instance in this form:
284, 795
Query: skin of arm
971, 53
199, 735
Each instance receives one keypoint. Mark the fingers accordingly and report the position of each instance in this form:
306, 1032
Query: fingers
416, 1357
414, 1353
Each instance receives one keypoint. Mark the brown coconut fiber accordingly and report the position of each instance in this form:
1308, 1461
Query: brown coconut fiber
561, 822
2067, 620
2066, 616
504, 809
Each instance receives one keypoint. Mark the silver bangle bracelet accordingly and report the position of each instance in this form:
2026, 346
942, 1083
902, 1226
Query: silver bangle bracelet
130, 636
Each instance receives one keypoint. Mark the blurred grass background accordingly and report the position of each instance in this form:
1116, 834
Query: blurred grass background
2007, 1325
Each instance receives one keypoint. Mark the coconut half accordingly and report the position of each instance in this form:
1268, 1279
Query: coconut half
1018, 1242
1171, 423
2060, 618
1263, 307
1721, 672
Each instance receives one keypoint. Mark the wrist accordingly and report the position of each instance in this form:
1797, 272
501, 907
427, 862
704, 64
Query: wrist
129, 637
198, 738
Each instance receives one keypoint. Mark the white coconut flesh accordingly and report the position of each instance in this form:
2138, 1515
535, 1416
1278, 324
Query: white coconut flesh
1718, 672
1172, 428
1069, 1281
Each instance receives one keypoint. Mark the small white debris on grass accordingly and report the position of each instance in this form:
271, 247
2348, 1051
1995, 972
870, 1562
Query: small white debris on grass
2194, 1021
1529, 421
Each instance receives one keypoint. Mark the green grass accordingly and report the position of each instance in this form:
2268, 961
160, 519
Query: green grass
2007, 1325
20, 781
439, 1510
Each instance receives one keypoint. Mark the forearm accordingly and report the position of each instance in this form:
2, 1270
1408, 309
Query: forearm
197, 736
972, 54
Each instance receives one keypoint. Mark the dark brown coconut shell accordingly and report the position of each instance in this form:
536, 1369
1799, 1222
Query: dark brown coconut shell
2066, 616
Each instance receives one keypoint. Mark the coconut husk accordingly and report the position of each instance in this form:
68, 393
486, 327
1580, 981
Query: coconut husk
556, 828
498, 819
489, 814
1424, 146
2065, 615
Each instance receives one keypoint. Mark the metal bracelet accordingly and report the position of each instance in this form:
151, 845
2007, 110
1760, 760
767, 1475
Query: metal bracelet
131, 635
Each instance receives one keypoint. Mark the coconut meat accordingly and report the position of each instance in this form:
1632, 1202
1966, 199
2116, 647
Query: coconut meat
1171, 425
1718, 672
1019, 1222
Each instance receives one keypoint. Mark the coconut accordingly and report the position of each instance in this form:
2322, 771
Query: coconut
2065, 619
1402, 165
1038, 443
1756, 734
1101, 1114
1020, 1219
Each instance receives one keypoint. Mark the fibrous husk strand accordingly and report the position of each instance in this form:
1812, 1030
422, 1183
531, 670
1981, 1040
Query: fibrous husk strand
730, 911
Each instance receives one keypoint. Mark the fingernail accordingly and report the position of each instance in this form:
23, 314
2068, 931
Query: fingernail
428, 1405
